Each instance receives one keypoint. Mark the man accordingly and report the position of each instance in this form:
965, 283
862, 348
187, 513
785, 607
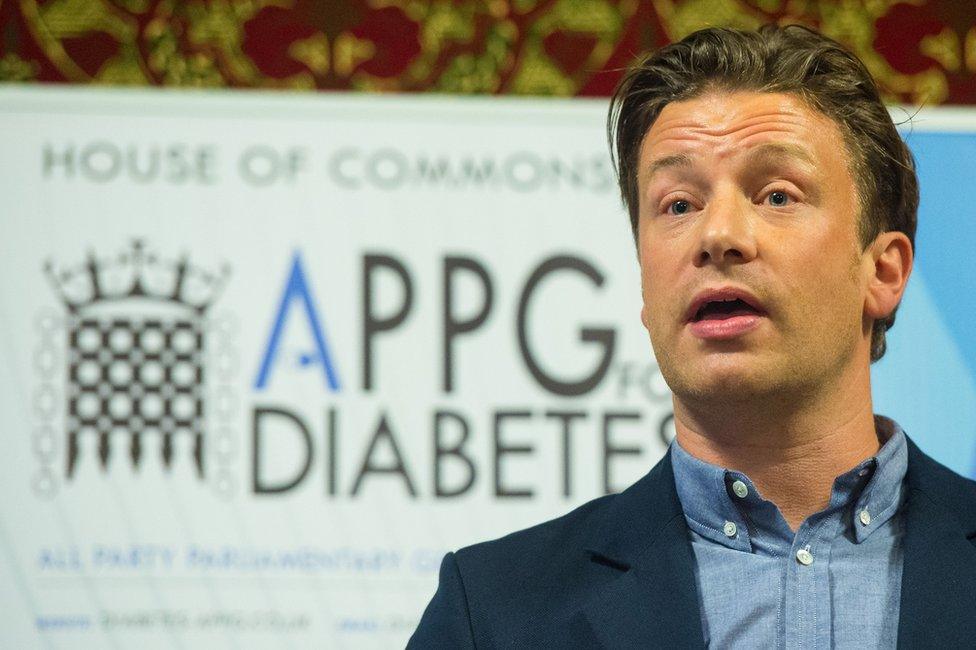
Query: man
774, 209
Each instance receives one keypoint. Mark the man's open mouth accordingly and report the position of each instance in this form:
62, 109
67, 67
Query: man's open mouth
723, 303
723, 309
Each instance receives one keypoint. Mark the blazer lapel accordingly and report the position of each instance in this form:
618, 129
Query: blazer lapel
938, 587
654, 600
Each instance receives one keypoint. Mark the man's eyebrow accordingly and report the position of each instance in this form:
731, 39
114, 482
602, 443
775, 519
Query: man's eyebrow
779, 150
668, 162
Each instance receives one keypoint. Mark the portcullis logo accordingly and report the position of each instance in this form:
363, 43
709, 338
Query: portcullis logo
134, 343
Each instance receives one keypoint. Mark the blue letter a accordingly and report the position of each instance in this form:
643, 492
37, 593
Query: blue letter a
297, 288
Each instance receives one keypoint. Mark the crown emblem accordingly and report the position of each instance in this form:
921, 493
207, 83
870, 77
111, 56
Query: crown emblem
136, 274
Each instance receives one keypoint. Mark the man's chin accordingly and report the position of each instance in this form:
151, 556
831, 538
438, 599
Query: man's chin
725, 381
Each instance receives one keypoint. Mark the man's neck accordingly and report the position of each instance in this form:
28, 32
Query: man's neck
792, 454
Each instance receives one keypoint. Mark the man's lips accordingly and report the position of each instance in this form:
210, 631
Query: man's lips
725, 329
722, 297
724, 313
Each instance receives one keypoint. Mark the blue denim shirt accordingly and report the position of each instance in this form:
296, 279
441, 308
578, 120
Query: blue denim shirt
834, 583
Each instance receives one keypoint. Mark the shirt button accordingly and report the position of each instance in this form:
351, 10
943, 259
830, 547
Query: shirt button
729, 529
865, 517
740, 489
804, 557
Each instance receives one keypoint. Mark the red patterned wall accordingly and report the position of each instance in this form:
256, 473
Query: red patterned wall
919, 50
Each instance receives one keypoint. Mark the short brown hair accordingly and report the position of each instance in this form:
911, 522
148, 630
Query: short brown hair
791, 59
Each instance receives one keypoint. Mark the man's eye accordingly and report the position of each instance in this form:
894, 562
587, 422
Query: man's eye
679, 207
779, 199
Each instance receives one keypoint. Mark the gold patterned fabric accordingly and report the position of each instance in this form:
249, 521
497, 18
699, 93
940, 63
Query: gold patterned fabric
921, 51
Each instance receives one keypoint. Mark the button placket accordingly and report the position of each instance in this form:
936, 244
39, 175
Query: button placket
800, 609
813, 594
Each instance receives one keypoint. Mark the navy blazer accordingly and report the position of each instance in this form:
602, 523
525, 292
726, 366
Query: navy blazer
618, 572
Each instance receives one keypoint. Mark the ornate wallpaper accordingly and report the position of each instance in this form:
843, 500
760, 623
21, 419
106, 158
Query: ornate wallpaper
919, 50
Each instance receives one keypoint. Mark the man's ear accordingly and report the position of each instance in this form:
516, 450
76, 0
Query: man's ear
892, 255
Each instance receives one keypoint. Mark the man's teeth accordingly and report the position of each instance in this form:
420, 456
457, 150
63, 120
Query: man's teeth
724, 308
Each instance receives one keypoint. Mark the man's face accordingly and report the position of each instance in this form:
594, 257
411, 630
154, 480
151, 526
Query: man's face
753, 276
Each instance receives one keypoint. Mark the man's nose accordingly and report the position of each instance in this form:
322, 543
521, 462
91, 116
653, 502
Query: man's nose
727, 232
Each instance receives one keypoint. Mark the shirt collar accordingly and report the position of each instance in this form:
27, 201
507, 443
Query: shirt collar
710, 502
885, 472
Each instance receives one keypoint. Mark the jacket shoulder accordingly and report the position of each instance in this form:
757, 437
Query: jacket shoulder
955, 493
518, 555
521, 585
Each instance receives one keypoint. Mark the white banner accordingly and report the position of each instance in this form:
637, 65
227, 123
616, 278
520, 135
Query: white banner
267, 358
